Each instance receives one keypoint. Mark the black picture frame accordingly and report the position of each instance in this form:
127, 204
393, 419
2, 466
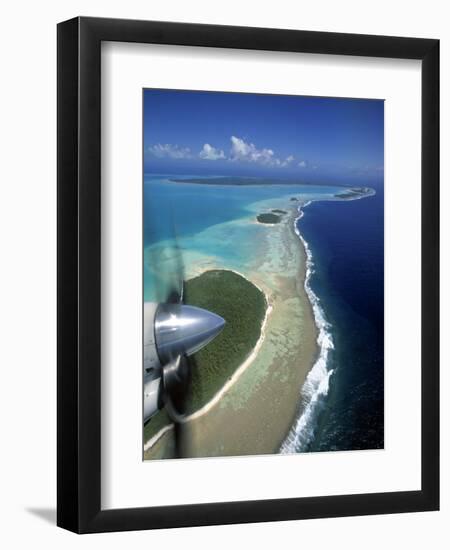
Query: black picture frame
79, 275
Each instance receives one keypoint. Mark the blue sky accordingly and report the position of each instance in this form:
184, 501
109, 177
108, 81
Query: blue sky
217, 133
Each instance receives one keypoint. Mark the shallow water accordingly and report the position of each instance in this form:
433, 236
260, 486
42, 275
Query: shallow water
210, 222
215, 226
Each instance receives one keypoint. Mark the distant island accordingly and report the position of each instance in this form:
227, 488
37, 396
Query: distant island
354, 193
347, 192
268, 218
233, 180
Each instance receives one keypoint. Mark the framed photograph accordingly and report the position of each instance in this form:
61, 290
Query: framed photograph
248, 291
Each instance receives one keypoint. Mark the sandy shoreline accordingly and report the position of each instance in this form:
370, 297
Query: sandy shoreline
254, 411
233, 378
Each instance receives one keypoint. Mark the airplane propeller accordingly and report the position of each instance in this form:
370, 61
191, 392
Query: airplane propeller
179, 331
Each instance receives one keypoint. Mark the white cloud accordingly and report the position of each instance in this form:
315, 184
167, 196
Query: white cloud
211, 153
241, 150
244, 151
168, 150
287, 160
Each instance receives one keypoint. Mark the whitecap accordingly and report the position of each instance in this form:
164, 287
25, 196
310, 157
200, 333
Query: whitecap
317, 382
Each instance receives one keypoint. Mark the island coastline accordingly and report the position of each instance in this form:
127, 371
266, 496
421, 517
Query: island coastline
231, 380
296, 366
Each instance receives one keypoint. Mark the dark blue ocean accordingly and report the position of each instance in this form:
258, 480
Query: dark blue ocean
341, 411
346, 240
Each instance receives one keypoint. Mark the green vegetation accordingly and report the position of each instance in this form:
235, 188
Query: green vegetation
278, 211
294, 199
243, 307
156, 422
268, 218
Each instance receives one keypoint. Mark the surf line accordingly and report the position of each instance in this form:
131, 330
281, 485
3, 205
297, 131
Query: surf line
317, 382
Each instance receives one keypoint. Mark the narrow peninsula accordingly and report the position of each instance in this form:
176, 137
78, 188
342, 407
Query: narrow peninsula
355, 193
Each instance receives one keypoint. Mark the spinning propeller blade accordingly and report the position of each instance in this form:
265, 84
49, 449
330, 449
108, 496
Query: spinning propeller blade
179, 331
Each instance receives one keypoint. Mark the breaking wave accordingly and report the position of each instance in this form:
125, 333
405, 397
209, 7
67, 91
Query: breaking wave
317, 383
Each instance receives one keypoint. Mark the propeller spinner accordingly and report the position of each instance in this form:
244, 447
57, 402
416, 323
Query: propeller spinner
183, 330
172, 332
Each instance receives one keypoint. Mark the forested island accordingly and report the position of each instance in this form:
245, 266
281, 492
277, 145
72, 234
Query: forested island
243, 306
268, 217
233, 180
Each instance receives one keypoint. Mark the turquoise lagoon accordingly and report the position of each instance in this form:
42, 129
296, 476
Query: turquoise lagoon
212, 225
192, 227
